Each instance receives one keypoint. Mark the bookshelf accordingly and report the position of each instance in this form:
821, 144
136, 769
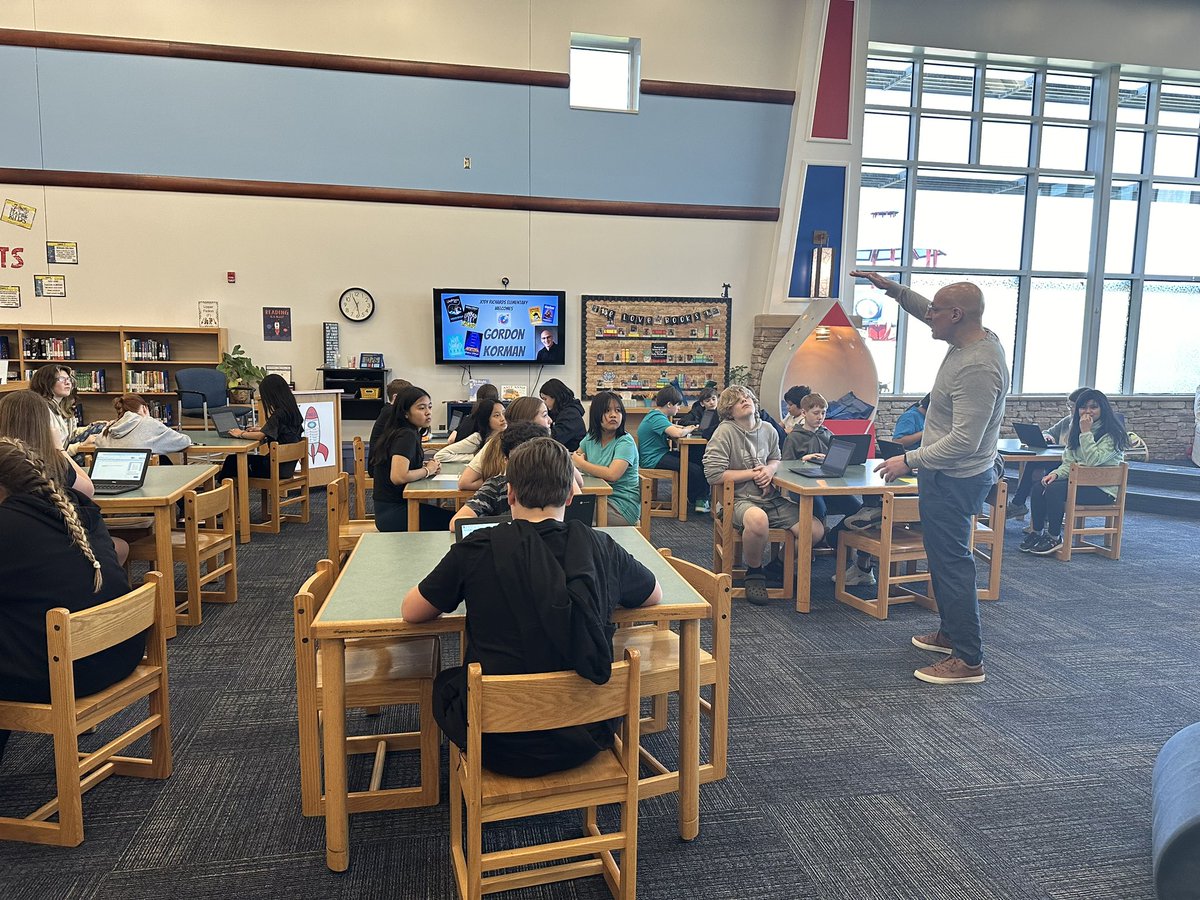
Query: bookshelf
110, 361
351, 383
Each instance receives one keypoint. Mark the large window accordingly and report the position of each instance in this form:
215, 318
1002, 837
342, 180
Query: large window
1070, 195
605, 72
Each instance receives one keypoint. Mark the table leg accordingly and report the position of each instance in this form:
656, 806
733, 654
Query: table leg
601, 511
804, 554
414, 515
243, 492
333, 705
682, 499
689, 729
164, 521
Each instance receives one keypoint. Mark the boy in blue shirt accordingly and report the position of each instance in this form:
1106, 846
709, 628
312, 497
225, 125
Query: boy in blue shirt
656, 452
911, 425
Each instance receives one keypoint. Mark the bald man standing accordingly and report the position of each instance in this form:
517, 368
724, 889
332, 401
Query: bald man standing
954, 465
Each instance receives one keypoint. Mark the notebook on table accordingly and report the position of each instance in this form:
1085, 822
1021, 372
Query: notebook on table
118, 471
1032, 437
834, 466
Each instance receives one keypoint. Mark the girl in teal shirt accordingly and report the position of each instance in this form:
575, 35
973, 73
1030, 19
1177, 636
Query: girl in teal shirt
610, 453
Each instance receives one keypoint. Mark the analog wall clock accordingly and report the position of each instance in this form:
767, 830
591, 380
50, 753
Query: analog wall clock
356, 304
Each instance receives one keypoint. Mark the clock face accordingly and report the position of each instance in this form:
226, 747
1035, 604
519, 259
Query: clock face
356, 304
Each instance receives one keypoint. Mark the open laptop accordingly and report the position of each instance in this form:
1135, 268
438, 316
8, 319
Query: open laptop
456, 418
118, 471
888, 449
708, 420
582, 508
463, 527
1032, 437
834, 466
862, 446
224, 421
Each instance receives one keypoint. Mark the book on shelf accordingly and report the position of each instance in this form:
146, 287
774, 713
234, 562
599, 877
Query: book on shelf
147, 350
138, 382
50, 348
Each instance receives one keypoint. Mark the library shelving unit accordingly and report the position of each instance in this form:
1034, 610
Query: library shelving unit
363, 390
111, 360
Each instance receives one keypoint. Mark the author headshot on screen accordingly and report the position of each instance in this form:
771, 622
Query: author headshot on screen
551, 352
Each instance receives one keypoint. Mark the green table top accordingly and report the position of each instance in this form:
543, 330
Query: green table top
163, 484
1006, 446
212, 439
857, 480
445, 483
366, 598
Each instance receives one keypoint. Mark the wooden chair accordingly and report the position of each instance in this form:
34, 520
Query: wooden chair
379, 672
342, 532
510, 703
72, 636
659, 650
278, 492
988, 531
727, 543
207, 547
1075, 530
899, 546
666, 508
362, 481
646, 492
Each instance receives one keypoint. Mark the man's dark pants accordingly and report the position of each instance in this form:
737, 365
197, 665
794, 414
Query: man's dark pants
947, 505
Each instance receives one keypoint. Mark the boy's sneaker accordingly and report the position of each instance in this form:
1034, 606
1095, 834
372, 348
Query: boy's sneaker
1016, 510
756, 589
1047, 544
867, 517
951, 670
1030, 541
856, 577
935, 641
703, 506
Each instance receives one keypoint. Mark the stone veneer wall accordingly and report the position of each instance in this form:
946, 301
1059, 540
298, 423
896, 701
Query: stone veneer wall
1165, 422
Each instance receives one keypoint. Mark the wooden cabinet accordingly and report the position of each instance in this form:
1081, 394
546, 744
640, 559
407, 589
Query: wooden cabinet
109, 360
357, 387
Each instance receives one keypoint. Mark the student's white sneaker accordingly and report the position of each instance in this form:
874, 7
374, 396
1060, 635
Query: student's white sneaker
856, 577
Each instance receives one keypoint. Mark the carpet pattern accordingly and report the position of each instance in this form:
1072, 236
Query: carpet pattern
847, 777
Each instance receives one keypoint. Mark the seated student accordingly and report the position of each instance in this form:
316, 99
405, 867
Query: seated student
400, 461
395, 386
467, 426
565, 411
489, 461
911, 425
52, 557
540, 594
492, 498
55, 384
1034, 471
23, 417
745, 450
792, 397
695, 416
283, 426
656, 453
610, 453
1096, 438
135, 429
486, 419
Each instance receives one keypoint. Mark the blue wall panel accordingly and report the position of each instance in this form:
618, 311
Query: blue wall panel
21, 146
822, 208
674, 150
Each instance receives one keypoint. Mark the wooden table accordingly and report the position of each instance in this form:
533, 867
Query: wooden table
163, 488
365, 602
444, 486
206, 441
858, 480
685, 446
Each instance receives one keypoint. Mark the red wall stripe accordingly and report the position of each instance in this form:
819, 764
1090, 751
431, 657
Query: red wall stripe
831, 112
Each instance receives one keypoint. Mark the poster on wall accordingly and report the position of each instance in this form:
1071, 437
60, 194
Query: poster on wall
333, 345
62, 253
18, 214
10, 296
277, 323
284, 372
49, 285
319, 429
210, 314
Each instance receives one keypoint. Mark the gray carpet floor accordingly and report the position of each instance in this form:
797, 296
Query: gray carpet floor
847, 777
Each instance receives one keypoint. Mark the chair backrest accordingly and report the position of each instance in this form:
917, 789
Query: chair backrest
717, 590
337, 498
209, 382
199, 506
71, 636
1100, 476
308, 602
362, 480
646, 491
509, 703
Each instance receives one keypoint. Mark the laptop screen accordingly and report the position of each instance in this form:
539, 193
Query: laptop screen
120, 465
838, 456
224, 421
456, 418
463, 527
706, 419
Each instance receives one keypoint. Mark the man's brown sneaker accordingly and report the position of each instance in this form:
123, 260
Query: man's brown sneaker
951, 671
934, 641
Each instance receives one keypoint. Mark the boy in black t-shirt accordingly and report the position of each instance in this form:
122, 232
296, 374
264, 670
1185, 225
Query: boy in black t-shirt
540, 595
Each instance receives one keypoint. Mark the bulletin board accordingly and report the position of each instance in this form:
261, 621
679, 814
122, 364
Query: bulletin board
640, 344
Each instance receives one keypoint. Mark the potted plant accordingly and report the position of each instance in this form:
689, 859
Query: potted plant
241, 373
738, 375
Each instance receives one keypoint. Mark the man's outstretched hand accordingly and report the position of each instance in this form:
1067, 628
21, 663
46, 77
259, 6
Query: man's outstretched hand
875, 278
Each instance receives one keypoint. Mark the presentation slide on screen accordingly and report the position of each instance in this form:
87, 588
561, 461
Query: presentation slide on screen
502, 327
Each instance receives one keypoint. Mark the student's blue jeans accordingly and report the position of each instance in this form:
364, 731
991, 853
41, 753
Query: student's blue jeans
947, 505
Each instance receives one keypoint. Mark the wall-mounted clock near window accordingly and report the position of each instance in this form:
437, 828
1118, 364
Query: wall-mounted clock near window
356, 304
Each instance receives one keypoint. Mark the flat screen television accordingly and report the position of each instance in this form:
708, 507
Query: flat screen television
474, 327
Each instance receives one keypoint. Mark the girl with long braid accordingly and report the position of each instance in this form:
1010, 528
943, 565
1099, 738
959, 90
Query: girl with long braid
53, 557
